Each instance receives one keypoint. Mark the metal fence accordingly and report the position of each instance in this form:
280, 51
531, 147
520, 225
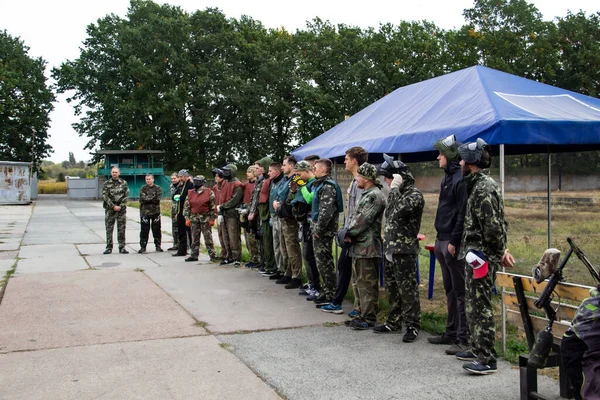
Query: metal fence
82, 188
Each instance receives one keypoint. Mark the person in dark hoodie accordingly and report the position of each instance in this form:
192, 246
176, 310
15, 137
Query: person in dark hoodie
184, 232
449, 222
231, 198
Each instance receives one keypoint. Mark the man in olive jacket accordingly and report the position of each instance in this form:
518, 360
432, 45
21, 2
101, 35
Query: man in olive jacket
364, 234
150, 195
115, 195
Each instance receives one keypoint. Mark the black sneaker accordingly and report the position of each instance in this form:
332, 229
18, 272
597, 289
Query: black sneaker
466, 355
122, 250
257, 267
283, 280
107, 251
142, 250
294, 284
360, 324
322, 300
385, 328
410, 335
179, 255
478, 368
190, 258
225, 262
442, 339
313, 297
159, 249
250, 265
277, 275
173, 248
236, 264
215, 260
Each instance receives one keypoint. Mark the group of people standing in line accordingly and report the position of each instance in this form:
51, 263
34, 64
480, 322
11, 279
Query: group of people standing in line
289, 212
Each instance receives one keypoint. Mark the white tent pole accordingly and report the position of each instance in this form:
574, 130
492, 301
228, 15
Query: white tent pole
503, 269
549, 200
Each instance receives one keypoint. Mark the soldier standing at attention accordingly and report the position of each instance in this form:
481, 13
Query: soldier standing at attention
176, 186
200, 213
150, 195
183, 231
115, 195
364, 235
232, 193
401, 246
483, 247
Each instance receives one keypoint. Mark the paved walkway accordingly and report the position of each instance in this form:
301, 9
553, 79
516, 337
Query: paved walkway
76, 324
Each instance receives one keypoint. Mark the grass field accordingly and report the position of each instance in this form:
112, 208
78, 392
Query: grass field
50, 186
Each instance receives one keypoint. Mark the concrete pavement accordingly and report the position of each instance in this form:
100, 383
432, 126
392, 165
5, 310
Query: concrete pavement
77, 324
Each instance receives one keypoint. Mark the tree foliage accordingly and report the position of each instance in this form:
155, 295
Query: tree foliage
208, 89
25, 103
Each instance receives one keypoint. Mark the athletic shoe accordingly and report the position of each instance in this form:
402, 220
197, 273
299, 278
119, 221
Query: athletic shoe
250, 265
225, 262
284, 280
456, 348
142, 250
314, 296
173, 248
385, 328
123, 251
466, 355
268, 273
332, 308
294, 284
107, 251
477, 367
360, 324
410, 335
236, 264
322, 300
277, 275
179, 255
354, 314
190, 258
442, 339
159, 249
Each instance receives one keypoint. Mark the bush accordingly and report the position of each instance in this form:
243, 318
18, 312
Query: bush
61, 177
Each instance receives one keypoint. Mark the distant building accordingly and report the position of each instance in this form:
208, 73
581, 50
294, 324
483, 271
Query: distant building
134, 165
15, 185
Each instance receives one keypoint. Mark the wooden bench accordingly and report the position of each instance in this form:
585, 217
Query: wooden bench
519, 306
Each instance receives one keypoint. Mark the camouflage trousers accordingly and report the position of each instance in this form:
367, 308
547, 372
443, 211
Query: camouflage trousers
324, 256
148, 222
268, 256
174, 229
279, 260
252, 245
201, 227
110, 216
365, 271
223, 241
290, 248
403, 291
233, 239
480, 314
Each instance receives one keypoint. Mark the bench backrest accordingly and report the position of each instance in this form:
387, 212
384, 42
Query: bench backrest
569, 295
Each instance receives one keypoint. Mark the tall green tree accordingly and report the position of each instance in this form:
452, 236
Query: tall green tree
25, 103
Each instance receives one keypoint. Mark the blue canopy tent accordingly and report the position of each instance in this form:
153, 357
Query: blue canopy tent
502, 109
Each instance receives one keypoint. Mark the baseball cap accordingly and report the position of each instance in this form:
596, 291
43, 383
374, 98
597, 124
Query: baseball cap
478, 261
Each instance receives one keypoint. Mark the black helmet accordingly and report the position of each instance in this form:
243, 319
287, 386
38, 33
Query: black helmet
226, 172
391, 167
218, 171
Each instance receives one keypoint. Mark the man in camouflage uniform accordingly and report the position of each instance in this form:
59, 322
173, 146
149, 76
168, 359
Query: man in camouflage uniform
364, 235
200, 213
485, 230
250, 227
275, 179
288, 244
176, 186
401, 246
115, 195
326, 205
150, 195
259, 210
580, 348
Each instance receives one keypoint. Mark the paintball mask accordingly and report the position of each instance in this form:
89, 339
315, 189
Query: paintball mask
199, 181
391, 167
546, 266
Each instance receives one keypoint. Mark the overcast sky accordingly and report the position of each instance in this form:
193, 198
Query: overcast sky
54, 30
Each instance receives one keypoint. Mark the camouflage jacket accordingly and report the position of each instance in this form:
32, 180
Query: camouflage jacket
115, 193
150, 200
403, 218
202, 218
255, 195
328, 215
365, 228
485, 227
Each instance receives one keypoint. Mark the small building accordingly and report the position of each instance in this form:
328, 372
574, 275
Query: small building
134, 166
15, 185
